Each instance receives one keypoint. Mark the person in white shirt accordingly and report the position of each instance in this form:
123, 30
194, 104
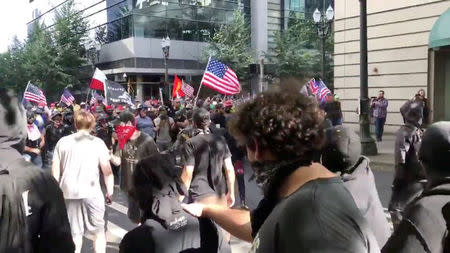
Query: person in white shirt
76, 163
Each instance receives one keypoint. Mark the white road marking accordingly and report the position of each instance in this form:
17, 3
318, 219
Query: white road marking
116, 230
119, 207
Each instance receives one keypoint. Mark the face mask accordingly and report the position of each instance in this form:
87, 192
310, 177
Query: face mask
270, 175
124, 134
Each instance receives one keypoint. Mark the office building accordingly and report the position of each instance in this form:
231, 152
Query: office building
408, 50
43, 11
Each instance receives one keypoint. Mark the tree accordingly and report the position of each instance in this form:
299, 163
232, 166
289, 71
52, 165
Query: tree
50, 57
39, 60
231, 44
12, 73
297, 51
70, 36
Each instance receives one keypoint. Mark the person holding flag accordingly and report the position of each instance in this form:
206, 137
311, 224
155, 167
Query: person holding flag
67, 98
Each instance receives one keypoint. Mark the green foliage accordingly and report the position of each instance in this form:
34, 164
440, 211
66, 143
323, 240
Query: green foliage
50, 58
70, 35
298, 51
12, 72
232, 45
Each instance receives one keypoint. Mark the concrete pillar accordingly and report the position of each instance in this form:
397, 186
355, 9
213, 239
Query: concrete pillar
259, 27
139, 88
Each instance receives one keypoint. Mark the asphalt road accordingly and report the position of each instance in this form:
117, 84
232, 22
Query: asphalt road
118, 223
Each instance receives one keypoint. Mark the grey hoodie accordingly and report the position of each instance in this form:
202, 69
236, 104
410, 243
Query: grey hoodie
342, 154
48, 227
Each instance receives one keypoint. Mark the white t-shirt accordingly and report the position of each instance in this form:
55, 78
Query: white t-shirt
79, 156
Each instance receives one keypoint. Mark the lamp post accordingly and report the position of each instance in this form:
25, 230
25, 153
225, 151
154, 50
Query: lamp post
165, 45
368, 146
323, 23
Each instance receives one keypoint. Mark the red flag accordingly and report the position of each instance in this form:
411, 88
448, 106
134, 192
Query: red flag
98, 80
177, 84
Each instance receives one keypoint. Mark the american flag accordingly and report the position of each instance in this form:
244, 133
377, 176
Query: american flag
95, 97
221, 78
67, 97
187, 89
34, 94
319, 89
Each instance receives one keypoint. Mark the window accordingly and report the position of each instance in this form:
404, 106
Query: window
297, 5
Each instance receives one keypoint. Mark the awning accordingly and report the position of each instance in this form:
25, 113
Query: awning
440, 34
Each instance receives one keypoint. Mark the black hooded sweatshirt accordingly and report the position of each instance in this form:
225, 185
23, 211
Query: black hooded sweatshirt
47, 225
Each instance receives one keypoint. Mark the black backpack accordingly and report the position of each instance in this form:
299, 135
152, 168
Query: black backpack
13, 229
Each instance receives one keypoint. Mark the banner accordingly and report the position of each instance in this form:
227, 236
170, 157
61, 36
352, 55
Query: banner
116, 94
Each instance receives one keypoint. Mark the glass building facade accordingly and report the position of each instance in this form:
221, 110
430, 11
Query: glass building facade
187, 20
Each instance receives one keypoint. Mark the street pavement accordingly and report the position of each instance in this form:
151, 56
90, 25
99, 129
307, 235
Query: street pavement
118, 223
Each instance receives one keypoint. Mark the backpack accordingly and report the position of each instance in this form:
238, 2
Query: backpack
13, 229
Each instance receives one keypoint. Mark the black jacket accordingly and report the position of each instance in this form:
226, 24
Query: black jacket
423, 227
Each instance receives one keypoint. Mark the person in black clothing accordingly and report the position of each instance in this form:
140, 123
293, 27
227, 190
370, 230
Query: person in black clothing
166, 227
218, 117
306, 208
53, 132
104, 130
410, 178
206, 155
332, 109
45, 223
134, 145
423, 227
69, 127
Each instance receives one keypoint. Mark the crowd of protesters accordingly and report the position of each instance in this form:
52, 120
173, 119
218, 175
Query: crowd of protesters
178, 164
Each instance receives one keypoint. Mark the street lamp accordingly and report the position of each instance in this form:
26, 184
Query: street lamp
368, 146
165, 45
323, 23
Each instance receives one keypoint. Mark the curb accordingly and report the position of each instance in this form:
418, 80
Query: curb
382, 166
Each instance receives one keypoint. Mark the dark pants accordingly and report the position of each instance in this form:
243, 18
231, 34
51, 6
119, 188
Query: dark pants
379, 127
403, 193
241, 187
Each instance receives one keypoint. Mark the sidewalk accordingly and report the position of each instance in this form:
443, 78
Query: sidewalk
385, 155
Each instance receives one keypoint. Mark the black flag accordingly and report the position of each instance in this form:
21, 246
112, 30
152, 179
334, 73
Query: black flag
116, 94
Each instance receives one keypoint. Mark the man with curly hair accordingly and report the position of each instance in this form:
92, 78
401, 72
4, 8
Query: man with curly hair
305, 208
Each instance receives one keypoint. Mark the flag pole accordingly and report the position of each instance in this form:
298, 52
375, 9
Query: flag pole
26, 88
161, 96
105, 86
201, 83
87, 95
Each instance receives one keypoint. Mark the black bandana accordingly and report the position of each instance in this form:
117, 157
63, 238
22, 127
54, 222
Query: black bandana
270, 176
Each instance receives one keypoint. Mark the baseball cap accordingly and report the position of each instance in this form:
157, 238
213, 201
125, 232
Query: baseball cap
56, 113
124, 117
120, 108
341, 149
228, 103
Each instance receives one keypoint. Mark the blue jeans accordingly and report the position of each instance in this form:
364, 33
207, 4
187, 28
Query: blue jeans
379, 127
34, 159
